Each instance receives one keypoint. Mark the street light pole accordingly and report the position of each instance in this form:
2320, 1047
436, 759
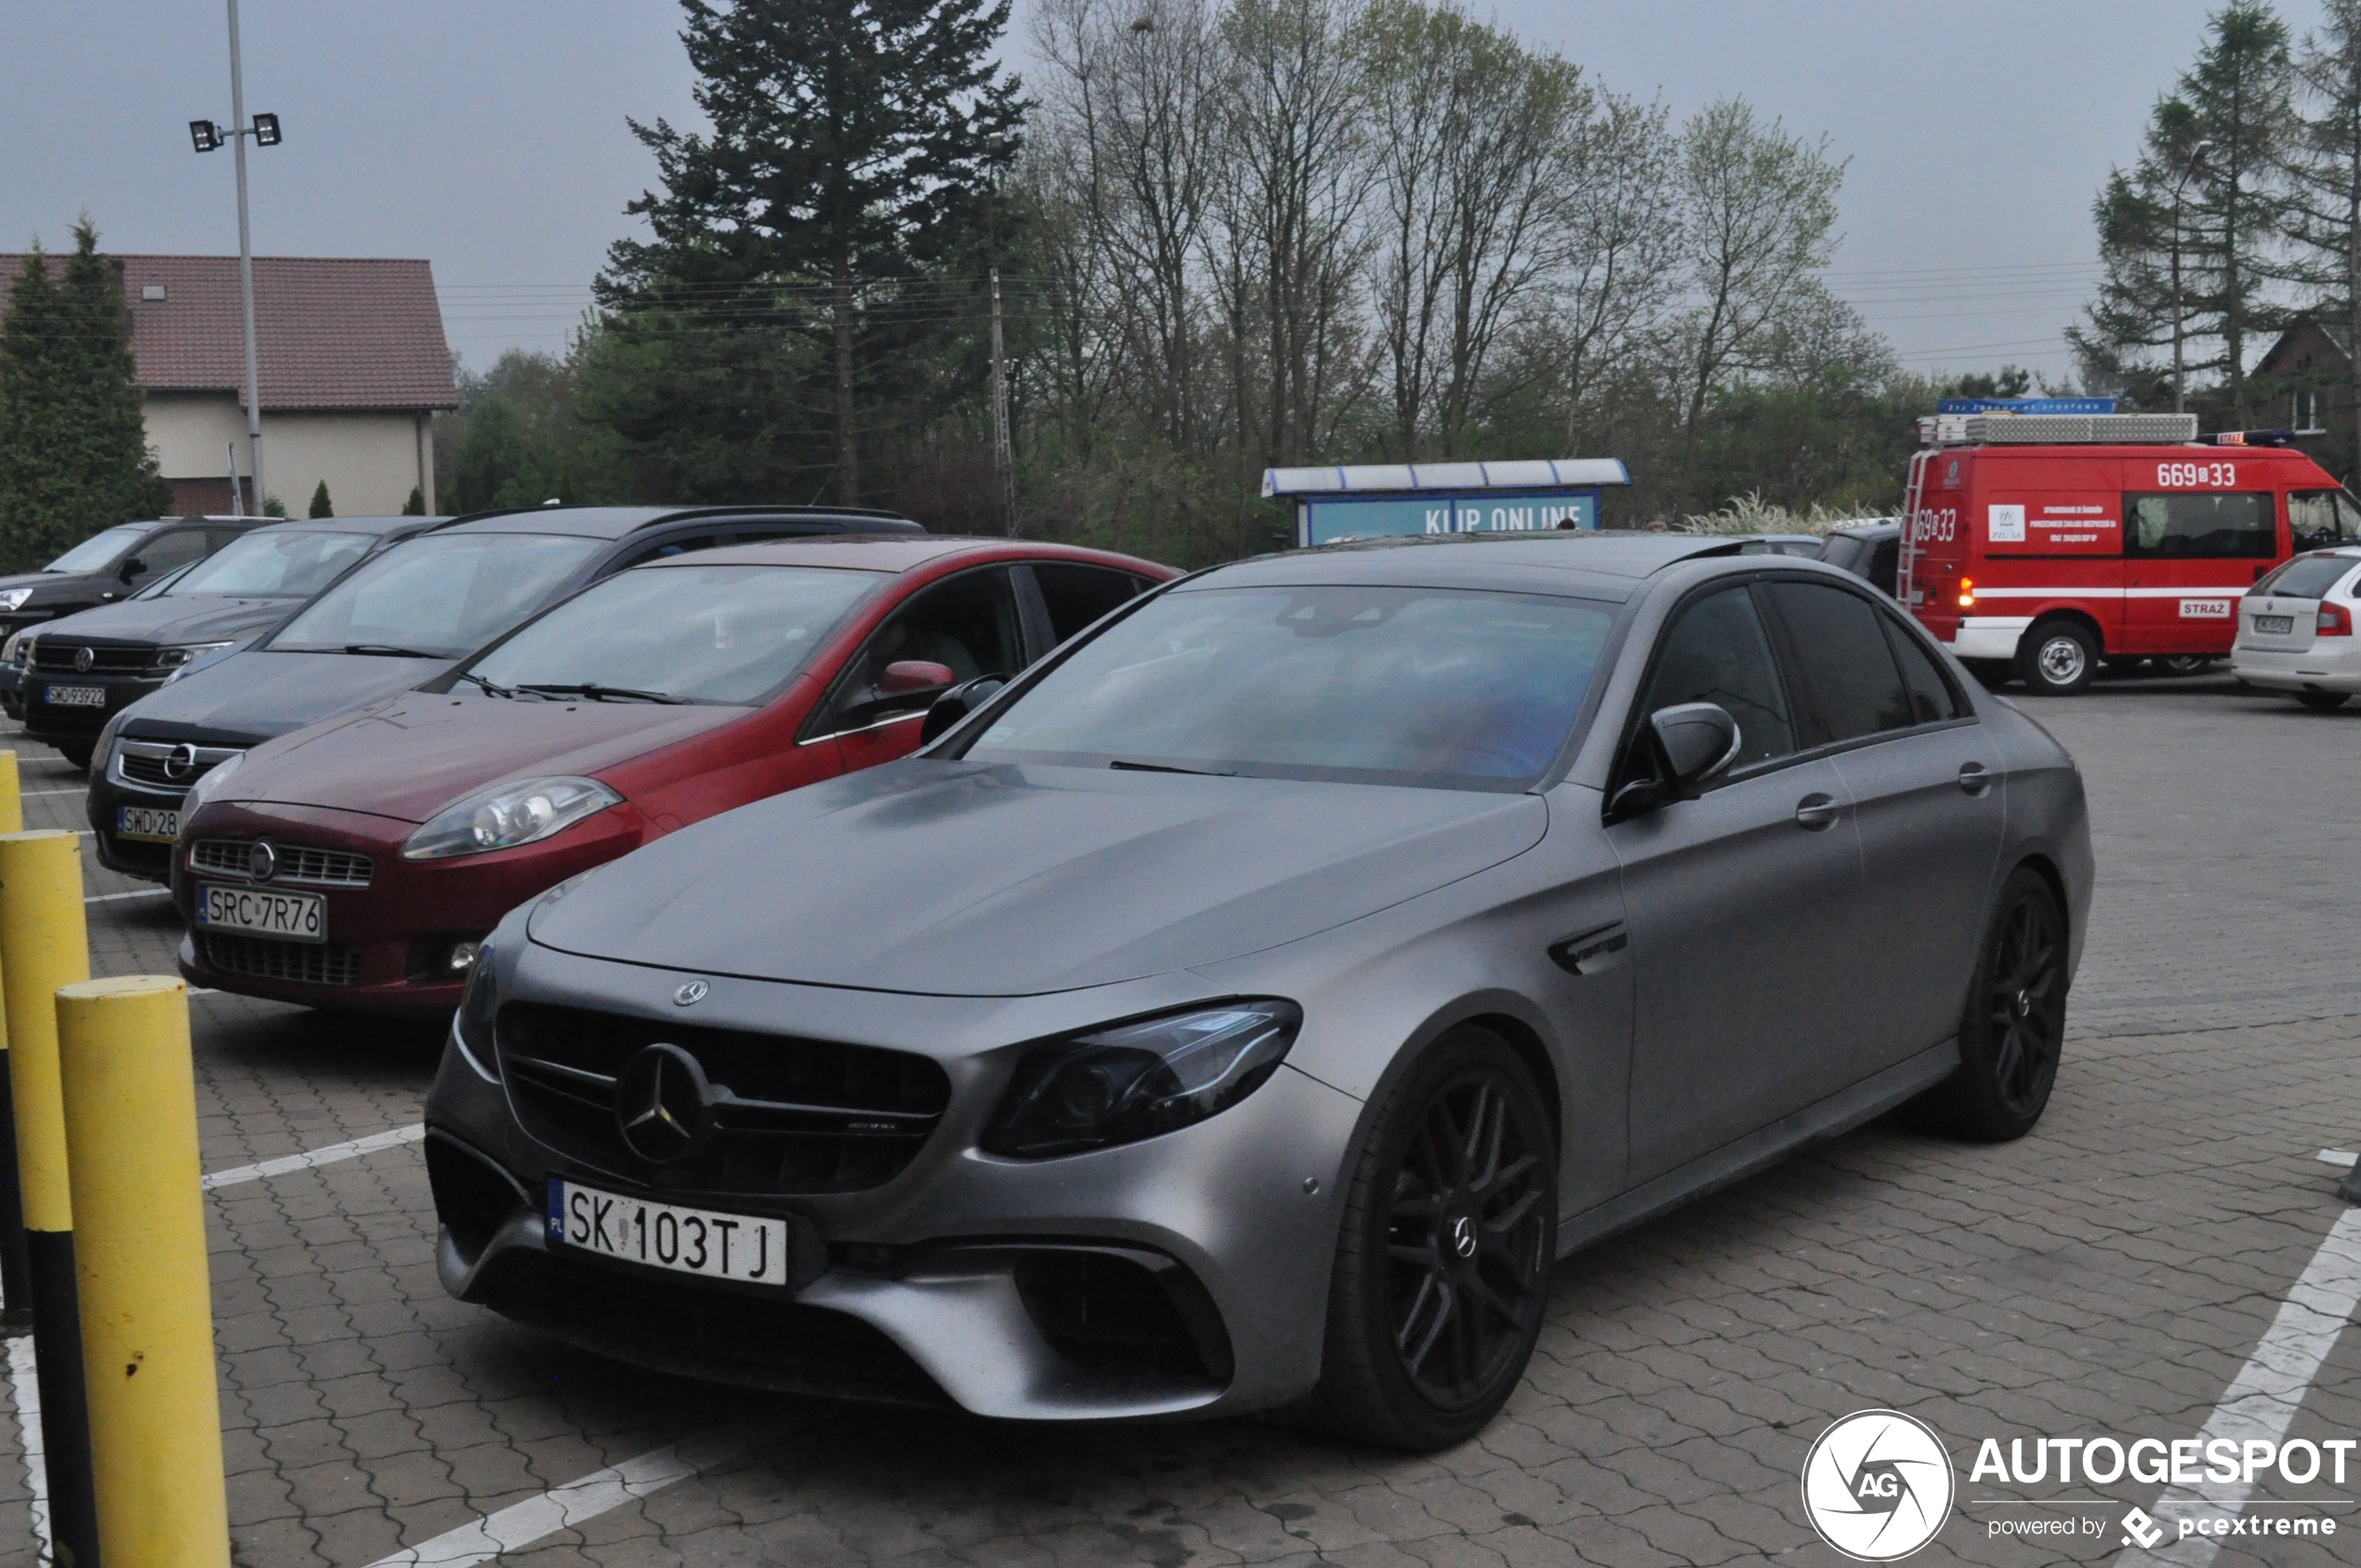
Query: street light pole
239, 130
2180, 386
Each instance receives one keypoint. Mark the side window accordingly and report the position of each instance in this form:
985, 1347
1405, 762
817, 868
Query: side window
1852, 683
2237, 526
967, 623
1717, 652
1885, 566
2319, 519
1932, 698
680, 546
168, 551
1076, 595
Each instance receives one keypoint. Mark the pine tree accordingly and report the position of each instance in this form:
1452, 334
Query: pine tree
73, 441
416, 504
321, 505
2203, 200
853, 143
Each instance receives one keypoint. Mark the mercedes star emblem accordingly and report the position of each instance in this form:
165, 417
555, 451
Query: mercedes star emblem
1463, 1237
181, 762
262, 861
663, 1104
82, 660
689, 994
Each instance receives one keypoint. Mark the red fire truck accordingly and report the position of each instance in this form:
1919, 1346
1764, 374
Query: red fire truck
2041, 545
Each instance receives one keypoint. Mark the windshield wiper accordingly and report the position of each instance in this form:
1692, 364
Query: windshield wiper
1168, 768
491, 687
392, 651
597, 693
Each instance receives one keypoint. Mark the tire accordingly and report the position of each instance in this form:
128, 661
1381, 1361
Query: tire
2015, 1022
77, 756
2185, 664
1434, 1306
2322, 702
2057, 658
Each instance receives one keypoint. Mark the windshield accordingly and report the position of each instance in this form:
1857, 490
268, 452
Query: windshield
438, 596
274, 563
97, 550
1386, 685
699, 633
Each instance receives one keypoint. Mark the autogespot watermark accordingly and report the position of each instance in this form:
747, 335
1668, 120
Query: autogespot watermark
1878, 1485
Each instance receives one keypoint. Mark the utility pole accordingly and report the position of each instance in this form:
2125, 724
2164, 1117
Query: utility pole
263, 129
2180, 387
1003, 451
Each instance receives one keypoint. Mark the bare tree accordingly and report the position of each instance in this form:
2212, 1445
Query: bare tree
2322, 215
1760, 223
1621, 214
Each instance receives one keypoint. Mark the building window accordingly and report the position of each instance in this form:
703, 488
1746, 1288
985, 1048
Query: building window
2307, 411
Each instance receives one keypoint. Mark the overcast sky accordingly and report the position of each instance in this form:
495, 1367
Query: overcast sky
488, 136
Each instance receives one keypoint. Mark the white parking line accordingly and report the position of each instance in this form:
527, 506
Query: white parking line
2264, 1396
25, 1385
2345, 1158
29, 793
142, 893
577, 1502
311, 1157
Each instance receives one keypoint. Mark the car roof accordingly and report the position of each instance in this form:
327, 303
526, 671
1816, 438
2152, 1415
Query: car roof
615, 522
360, 524
855, 552
1585, 563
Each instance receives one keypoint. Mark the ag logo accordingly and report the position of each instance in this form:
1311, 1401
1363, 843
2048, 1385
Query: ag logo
1878, 1485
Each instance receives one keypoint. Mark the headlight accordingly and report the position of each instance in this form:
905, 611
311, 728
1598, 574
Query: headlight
471, 1027
13, 599
177, 660
209, 786
509, 816
1136, 1080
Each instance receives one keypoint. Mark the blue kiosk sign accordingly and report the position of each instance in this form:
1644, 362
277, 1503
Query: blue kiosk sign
1336, 503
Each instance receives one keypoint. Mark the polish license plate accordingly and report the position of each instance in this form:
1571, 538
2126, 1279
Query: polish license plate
290, 916
688, 1241
153, 823
75, 696
2274, 625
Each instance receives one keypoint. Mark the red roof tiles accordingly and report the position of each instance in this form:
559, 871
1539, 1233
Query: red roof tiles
329, 332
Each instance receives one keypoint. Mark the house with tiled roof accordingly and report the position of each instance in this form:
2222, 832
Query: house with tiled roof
354, 366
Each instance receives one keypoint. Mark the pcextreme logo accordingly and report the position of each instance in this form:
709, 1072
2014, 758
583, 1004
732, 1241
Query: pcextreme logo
1878, 1485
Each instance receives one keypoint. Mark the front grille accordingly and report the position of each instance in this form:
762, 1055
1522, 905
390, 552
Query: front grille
51, 656
1110, 1313
151, 764
300, 963
321, 868
793, 1116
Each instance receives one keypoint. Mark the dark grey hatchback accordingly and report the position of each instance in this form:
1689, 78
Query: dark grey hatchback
1247, 1006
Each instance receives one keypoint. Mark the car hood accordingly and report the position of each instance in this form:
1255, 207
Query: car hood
975, 879
247, 698
407, 757
199, 618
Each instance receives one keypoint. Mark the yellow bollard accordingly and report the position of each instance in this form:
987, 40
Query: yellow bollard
147, 1306
44, 943
11, 802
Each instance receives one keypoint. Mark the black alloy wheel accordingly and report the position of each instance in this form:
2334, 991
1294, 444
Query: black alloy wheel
1442, 1272
2015, 1027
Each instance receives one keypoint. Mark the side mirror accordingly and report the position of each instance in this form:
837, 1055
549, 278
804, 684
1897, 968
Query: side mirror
1688, 744
132, 568
905, 677
955, 705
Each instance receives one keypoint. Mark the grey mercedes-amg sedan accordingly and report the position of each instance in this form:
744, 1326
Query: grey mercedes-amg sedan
1247, 1006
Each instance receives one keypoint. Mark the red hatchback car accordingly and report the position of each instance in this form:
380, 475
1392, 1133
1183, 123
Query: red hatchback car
358, 861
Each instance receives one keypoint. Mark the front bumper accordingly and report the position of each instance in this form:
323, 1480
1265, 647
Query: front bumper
930, 1285
1988, 637
2317, 669
387, 943
47, 721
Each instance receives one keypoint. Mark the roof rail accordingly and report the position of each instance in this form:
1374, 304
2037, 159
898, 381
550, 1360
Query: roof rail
2057, 429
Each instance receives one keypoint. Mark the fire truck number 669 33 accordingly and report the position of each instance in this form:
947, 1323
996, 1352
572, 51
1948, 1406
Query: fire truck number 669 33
2197, 476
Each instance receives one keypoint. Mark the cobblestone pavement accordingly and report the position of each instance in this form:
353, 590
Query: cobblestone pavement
2109, 1274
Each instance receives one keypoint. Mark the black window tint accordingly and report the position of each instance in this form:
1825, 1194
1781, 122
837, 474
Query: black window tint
682, 545
1075, 595
967, 623
2177, 527
1885, 566
1842, 551
1931, 699
1717, 652
1853, 687
168, 551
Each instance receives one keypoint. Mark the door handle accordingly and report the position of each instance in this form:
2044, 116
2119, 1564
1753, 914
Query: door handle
1815, 812
1973, 778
